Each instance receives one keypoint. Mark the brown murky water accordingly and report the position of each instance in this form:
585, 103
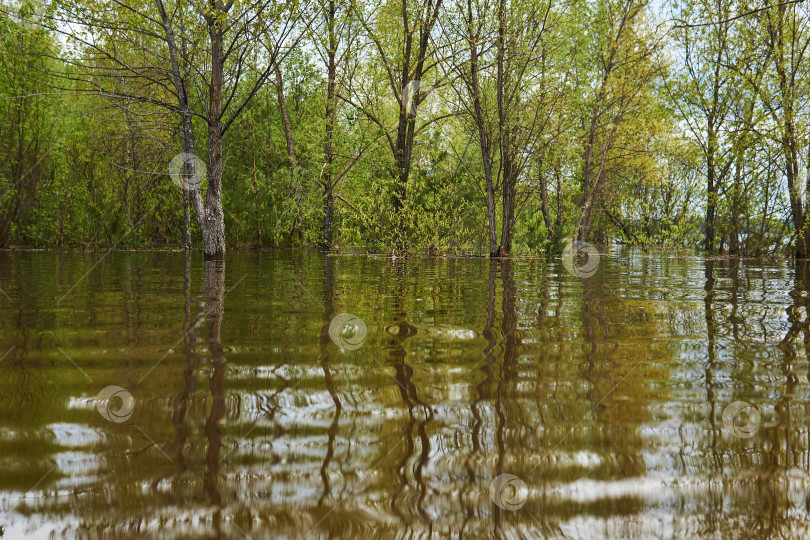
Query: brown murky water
233, 412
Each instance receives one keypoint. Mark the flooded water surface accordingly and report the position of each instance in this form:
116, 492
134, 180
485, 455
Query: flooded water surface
300, 395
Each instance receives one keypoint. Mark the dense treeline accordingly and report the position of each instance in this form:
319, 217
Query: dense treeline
483, 126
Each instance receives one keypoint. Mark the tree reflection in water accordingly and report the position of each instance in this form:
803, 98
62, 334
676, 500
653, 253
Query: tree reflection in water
604, 395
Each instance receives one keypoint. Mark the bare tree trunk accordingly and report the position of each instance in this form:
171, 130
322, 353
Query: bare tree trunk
792, 175
405, 68
558, 223
186, 210
734, 226
214, 224
285, 119
410, 81
544, 207
406, 125
591, 178
328, 150
711, 191
807, 180
191, 190
256, 201
806, 230
209, 215
787, 47
553, 227
801, 216
484, 138
716, 172
505, 129
187, 173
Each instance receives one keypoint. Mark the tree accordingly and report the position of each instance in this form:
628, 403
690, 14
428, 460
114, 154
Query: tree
189, 61
785, 41
27, 121
336, 47
624, 70
512, 117
705, 95
401, 34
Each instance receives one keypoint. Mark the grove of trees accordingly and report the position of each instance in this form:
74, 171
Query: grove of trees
454, 126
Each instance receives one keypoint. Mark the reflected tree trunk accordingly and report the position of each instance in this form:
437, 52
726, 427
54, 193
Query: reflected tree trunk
330, 22
709, 370
504, 406
214, 290
297, 228
328, 312
416, 425
477, 399
791, 448
193, 362
510, 317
